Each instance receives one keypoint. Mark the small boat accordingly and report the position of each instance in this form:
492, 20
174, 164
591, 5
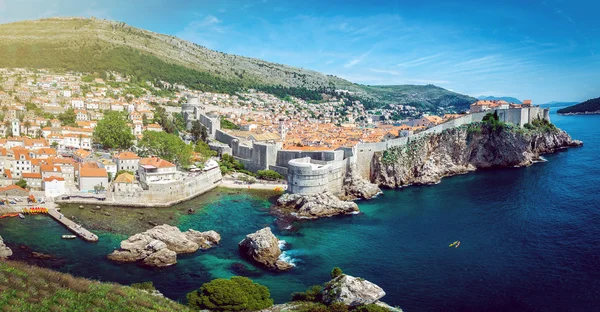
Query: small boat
21, 216
453, 244
67, 236
457, 244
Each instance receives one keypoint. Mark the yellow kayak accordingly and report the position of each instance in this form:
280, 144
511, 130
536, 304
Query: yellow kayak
452, 245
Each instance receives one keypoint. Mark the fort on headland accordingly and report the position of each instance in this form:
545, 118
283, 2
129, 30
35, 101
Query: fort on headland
311, 172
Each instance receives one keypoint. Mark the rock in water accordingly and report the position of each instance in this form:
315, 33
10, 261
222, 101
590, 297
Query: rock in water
204, 239
428, 159
351, 291
263, 247
160, 245
314, 206
356, 187
5, 252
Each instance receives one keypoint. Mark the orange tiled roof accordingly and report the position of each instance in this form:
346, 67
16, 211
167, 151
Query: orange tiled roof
156, 162
51, 178
92, 172
127, 155
31, 175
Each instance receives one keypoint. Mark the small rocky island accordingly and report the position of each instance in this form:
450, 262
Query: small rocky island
313, 206
262, 247
159, 246
5, 252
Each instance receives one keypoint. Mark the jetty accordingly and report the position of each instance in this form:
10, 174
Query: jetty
72, 226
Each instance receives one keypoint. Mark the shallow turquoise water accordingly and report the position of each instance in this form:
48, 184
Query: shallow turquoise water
529, 239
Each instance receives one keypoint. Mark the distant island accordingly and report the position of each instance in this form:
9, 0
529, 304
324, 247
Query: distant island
588, 107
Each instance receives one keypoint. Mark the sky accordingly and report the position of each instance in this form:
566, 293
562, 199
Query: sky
541, 50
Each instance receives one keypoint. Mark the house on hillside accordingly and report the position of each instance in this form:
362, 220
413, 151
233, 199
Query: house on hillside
13, 190
33, 179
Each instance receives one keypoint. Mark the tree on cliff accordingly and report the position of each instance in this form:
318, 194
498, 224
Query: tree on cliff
198, 131
113, 131
235, 294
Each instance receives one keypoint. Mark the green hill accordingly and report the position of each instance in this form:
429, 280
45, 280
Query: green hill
587, 107
93, 45
25, 287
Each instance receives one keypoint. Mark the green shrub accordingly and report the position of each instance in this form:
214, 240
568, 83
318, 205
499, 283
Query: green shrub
235, 294
337, 307
314, 294
370, 308
269, 175
336, 272
318, 308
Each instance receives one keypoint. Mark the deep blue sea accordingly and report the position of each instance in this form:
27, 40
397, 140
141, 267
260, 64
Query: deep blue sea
530, 239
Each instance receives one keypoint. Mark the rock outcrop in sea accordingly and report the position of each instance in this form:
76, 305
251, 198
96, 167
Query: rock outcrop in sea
313, 206
159, 246
351, 291
357, 187
262, 246
459, 150
5, 252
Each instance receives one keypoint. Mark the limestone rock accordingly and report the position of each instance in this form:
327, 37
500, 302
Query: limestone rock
204, 239
263, 247
161, 258
428, 159
314, 206
351, 291
5, 252
160, 245
356, 187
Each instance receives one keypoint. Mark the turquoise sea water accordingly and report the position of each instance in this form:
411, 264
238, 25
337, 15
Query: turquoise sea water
529, 239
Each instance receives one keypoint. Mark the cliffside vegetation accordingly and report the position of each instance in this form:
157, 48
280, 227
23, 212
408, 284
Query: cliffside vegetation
588, 106
235, 294
100, 47
28, 288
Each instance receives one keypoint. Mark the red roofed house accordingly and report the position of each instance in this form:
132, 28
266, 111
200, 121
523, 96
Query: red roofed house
90, 178
13, 190
127, 161
155, 170
54, 186
33, 179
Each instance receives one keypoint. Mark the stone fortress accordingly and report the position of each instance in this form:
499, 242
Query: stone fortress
313, 172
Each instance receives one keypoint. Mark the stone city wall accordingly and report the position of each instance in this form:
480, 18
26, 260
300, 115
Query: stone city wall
167, 194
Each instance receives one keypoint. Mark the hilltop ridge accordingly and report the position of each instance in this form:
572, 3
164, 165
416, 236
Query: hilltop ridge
95, 45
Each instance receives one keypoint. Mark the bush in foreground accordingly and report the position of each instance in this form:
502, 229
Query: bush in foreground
235, 294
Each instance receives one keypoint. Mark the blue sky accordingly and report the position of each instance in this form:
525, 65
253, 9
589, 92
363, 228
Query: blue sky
541, 50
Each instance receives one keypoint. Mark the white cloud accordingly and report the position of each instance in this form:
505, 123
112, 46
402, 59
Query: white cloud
420, 61
385, 71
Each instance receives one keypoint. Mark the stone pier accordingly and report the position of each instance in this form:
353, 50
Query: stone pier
72, 226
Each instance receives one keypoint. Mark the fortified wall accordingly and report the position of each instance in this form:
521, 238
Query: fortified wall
310, 172
165, 194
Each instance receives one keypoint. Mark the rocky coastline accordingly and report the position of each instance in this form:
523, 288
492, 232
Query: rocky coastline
463, 149
262, 247
159, 246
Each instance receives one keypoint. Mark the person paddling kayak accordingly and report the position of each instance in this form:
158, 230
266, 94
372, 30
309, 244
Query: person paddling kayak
454, 244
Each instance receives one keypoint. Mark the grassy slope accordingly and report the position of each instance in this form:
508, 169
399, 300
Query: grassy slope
592, 105
28, 288
99, 45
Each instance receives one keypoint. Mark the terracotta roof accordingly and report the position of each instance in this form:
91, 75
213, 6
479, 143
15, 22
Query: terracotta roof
51, 178
156, 162
125, 178
12, 187
31, 175
49, 168
92, 172
127, 155
82, 153
7, 173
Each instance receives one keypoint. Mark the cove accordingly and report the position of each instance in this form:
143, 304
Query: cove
528, 239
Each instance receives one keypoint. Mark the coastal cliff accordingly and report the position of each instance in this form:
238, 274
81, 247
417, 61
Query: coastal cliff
428, 159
